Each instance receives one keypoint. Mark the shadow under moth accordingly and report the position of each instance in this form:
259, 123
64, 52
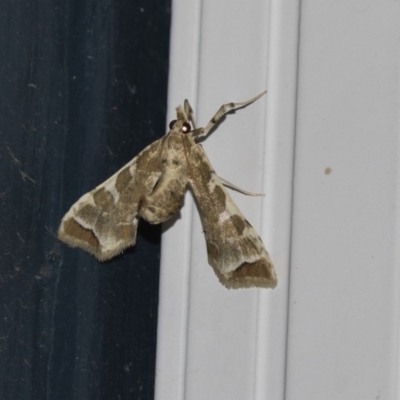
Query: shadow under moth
152, 186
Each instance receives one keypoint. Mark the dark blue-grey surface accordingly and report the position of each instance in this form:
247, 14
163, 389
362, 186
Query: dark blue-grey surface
83, 88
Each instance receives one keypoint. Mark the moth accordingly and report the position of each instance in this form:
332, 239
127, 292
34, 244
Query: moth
152, 186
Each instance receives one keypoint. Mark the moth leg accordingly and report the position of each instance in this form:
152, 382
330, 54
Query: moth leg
232, 186
224, 109
189, 112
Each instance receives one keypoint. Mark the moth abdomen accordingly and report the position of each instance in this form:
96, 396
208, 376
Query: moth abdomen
166, 199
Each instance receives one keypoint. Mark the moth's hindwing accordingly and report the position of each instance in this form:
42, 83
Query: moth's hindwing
235, 250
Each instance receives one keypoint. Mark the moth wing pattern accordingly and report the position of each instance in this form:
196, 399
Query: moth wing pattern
152, 186
235, 251
104, 221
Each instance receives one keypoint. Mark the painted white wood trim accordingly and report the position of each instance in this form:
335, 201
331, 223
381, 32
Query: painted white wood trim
344, 297
214, 343
324, 147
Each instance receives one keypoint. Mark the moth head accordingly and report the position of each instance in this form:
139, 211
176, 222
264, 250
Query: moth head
182, 122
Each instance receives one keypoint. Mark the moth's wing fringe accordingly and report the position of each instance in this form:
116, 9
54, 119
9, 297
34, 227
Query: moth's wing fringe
75, 235
241, 279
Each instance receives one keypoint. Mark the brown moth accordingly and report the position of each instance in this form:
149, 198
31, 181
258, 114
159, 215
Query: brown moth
152, 186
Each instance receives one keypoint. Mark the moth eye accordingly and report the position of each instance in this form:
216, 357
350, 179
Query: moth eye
186, 127
172, 123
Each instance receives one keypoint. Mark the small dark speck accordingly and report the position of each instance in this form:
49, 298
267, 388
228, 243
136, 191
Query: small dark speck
328, 170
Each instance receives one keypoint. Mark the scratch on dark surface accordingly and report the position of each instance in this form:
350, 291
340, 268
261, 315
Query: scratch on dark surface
24, 175
20, 238
51, 232
15, 159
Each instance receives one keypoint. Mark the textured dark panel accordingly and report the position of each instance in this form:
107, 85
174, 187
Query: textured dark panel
83, 88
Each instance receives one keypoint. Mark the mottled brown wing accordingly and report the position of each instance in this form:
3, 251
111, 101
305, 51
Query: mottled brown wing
104, 221
235, 250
